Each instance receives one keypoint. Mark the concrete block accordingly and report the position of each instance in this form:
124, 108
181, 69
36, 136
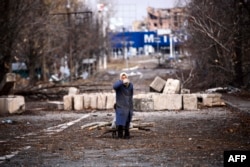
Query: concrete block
172, 86
137, 104
110, 100
73, 91
93, 100
86, 101
101, 101
210, 100
157, 84
78, 102
12, 104
167, 101
190, 102
144, 95
68, 102
143, 104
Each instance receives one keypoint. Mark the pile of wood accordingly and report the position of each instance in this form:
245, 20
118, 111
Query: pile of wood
106, 127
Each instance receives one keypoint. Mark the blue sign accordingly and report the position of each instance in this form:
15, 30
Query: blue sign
139, 39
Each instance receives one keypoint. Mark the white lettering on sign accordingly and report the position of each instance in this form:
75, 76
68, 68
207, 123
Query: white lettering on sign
236, 158
165, 38
148, 38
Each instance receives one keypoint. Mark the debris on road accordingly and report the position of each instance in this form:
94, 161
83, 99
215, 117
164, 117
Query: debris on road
106, 127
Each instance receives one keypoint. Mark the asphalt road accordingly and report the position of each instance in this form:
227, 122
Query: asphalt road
183, 138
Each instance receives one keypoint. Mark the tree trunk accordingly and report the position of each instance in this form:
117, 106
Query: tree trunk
238, 79
6, 45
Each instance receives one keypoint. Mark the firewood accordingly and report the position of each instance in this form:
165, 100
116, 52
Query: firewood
105, 127
88, 125
100, 124
94, 125
141, 125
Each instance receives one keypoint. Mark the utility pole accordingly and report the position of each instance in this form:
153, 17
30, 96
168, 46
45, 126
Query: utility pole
72, 70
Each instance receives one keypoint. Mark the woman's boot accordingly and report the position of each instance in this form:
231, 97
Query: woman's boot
120, 131
126, 132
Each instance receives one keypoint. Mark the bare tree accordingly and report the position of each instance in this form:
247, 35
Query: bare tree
218, 40
37, 32
11, 20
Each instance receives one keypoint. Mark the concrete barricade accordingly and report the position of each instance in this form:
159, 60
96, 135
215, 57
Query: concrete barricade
73, 91
86, 101
93, 100
190, 102
110, 100
172, 86
78, 102
68, 102
167, 101
12, 104
142, 102
211, 100
101, 101
157, 85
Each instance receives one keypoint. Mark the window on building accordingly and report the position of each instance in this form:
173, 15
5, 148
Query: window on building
153, 17
175, 16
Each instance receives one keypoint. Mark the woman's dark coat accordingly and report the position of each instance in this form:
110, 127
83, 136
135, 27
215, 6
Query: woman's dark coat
124, 103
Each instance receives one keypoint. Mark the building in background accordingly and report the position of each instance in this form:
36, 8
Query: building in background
160, 32
171, 19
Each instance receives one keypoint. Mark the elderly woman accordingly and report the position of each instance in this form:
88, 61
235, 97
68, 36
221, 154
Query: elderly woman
124, 105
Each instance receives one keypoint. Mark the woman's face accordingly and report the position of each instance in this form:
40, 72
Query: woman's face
124, 77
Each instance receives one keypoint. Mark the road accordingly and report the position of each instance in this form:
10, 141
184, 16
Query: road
41, 137
179, 138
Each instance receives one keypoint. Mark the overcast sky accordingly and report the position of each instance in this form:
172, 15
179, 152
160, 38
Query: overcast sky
129, 10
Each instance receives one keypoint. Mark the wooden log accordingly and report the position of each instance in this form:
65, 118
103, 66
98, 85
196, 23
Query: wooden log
141, 125
94, 125
88, 125
105, 127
